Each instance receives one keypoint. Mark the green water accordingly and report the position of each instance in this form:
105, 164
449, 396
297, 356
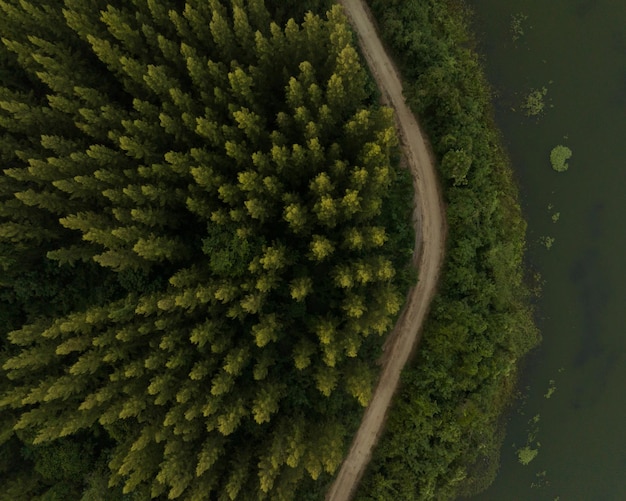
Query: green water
577, 50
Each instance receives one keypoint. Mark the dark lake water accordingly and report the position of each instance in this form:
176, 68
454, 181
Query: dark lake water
573, 409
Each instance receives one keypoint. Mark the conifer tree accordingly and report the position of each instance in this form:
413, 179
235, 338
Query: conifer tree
205, 192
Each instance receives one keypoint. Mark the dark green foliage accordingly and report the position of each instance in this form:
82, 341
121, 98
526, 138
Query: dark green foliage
58, 470
283, 10
203, 237
442, 435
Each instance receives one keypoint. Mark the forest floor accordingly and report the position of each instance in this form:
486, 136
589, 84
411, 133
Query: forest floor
430, 233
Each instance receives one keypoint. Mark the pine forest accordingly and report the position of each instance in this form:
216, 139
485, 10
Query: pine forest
204, 236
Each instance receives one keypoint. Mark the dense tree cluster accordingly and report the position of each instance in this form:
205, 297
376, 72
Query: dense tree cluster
202, 237
445, 428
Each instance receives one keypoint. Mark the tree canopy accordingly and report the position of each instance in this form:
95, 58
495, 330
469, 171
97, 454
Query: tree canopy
203, 235
445, 427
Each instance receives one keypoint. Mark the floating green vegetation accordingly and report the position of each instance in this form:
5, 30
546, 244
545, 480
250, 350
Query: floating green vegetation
541, 481
559, 156
526, 454
546, 241
551, 389
555, 215
517, 25
534, 103
536, 284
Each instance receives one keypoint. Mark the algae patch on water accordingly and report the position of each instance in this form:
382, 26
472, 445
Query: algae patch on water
530, 450
559, 156
534, 103
526, 454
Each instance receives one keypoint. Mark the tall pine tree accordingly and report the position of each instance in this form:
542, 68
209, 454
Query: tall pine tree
206, 195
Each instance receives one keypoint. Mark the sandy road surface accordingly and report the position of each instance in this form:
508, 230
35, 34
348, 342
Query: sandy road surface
430, 232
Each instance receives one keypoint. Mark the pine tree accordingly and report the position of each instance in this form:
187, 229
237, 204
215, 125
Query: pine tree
207, 189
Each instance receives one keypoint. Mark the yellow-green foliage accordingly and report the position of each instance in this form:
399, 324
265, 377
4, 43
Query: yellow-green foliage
203, 237
534, 104
559, 156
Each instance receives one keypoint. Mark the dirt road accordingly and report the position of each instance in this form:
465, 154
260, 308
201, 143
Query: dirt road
430, 233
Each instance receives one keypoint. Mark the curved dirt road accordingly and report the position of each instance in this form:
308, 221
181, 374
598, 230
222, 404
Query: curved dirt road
430, 232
